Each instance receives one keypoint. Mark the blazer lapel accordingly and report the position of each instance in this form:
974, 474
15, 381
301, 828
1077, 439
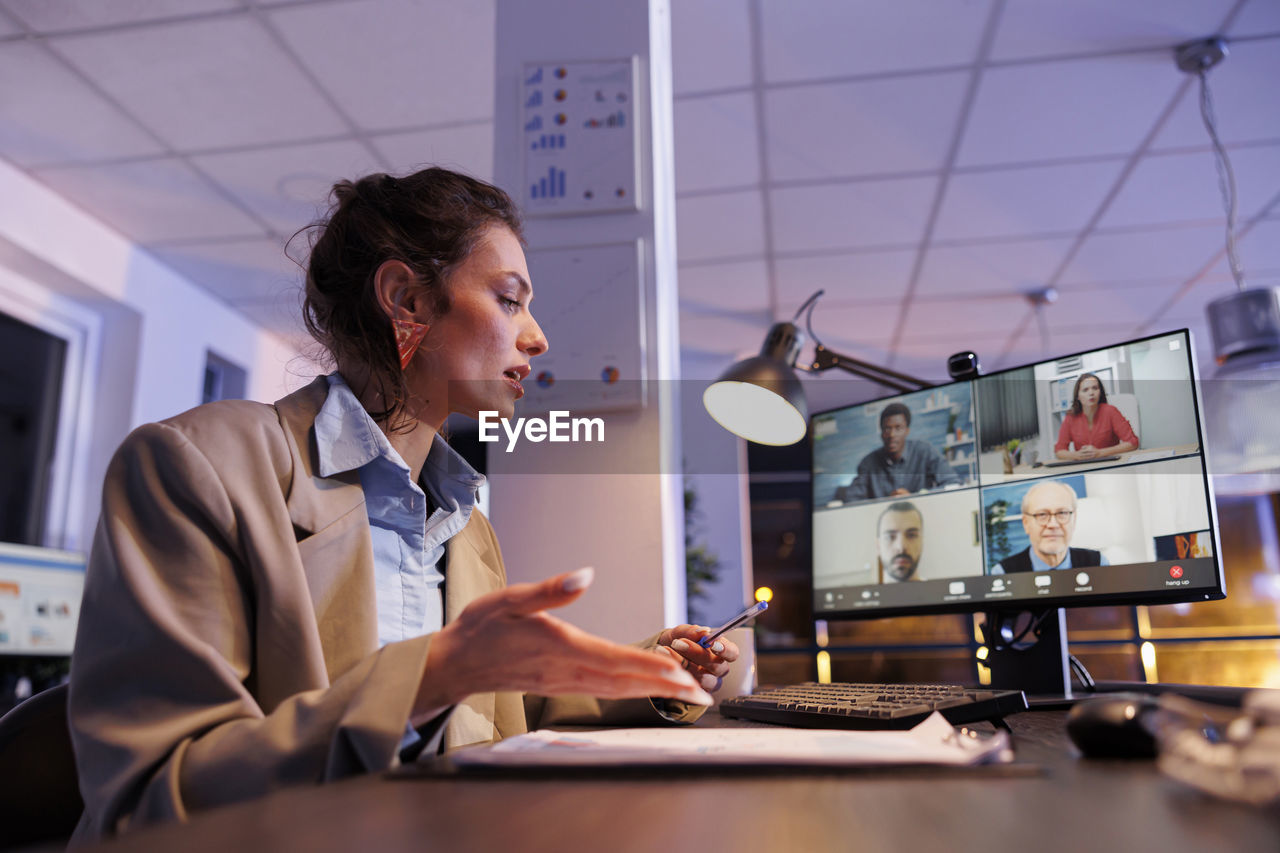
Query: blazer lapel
331, 525
471, 570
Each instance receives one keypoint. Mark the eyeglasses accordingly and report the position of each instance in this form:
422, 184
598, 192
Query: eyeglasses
1063, 516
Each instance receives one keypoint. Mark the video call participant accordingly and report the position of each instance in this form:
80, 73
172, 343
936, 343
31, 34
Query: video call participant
1049, 517
900, 538
1092, 425
902, 466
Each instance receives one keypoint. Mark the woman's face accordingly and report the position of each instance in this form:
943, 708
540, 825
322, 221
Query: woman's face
1090, 390
477, 354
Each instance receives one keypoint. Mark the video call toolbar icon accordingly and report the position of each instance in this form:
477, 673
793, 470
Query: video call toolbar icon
1043, 580
1175, 571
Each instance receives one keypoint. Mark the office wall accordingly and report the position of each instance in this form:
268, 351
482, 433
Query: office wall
147, 329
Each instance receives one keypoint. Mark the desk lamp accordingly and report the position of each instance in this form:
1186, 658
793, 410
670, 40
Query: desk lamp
1244, 396
761, 399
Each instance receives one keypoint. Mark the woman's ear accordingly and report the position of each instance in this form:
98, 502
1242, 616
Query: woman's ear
394, 287
399, 298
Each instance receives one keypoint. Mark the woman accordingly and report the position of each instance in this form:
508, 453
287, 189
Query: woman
294, 593
1092, 425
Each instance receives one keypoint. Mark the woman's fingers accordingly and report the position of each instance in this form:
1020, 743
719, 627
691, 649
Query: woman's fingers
521, 599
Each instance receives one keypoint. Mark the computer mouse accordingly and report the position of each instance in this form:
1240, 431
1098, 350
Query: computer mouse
1112, 726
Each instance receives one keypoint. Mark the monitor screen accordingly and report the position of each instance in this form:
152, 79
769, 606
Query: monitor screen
1075, 481
40, 591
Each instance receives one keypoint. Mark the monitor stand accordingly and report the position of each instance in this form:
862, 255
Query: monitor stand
1027, 651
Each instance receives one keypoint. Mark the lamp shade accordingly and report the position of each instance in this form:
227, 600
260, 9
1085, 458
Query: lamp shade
760, 398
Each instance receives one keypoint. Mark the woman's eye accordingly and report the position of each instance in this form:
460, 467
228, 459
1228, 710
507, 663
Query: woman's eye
509, 303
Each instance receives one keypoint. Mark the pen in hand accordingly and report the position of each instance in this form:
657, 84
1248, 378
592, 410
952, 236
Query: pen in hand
754, 610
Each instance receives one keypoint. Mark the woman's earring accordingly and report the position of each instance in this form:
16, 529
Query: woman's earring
409, 336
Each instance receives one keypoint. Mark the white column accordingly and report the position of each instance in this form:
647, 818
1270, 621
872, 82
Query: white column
629, 526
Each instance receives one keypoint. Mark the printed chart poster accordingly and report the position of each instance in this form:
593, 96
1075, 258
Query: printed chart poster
588, 302
579, 137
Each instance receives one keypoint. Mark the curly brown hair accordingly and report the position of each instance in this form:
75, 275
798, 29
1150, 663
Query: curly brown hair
430, 220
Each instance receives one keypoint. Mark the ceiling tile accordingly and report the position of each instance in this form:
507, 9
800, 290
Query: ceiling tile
738, 287
720, 334
710, 45
466, 148
1114, 305
715, 143
858, 214
53, 16
1184, 187
927, 318
1258, 17
729, 225
422, 62
288, 186
1037, 200
902, 124
1258, 252
855, 277
55, 117
1032, 347
8, 27
1011, 266
858, 330
150, 200
804, 41
1251, 68
926, 357
204, 84
1031, 28
1165, 255
237, 270
1030, 113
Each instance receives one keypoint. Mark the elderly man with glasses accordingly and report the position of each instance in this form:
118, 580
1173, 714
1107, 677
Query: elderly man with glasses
1049, 517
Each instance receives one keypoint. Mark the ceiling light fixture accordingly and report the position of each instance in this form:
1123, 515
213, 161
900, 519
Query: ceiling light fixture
1244, 396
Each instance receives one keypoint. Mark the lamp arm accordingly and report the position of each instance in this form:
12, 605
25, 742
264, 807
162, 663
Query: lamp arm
825, 359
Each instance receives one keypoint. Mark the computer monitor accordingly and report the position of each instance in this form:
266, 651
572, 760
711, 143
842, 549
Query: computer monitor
1002, 494
40, 591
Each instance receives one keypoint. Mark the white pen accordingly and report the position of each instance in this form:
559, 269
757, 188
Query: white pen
754, 610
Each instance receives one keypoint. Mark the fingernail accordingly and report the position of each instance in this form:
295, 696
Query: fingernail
709, 681
717, 647
681, 645
581, 579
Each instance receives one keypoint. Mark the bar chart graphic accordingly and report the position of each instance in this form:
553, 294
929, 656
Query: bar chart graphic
550, 185
579, 137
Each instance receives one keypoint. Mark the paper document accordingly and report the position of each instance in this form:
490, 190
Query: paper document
933, 741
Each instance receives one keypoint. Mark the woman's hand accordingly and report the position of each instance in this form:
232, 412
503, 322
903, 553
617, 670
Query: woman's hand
708, 666
507, 641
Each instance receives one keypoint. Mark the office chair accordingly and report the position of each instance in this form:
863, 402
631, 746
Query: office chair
39, 794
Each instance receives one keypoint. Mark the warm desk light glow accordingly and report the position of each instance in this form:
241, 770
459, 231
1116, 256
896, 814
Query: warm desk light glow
764, 594
754, 413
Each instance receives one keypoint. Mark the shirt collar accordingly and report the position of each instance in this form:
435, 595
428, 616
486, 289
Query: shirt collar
348, 438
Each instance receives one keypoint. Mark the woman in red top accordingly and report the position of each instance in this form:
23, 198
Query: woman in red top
1093, 426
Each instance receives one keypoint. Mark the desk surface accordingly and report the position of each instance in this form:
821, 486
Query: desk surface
1059, 802
1142, 454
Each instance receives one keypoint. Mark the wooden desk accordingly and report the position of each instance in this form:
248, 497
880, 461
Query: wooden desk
1142, 454
1058, 803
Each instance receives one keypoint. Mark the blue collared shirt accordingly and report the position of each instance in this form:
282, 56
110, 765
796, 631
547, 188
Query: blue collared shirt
408, 547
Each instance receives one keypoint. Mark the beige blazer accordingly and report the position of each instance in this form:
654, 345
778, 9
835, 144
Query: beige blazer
227, 643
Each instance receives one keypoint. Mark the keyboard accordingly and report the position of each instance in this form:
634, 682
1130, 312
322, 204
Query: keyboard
872, 706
